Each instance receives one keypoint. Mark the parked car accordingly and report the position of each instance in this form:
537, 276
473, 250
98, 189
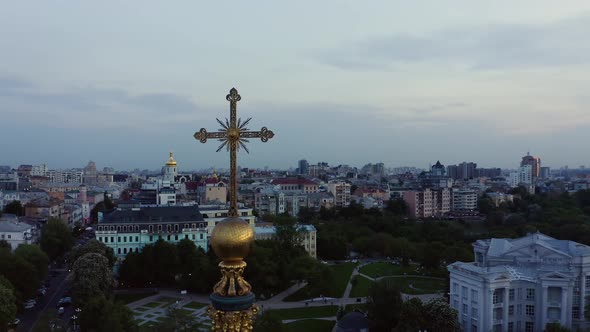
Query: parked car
41, 291
29, 305
61, 310
14, 323
31, 301
65, 301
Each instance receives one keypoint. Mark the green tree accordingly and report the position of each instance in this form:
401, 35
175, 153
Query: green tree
56, 238
35, 256
384, 305
397, 207
91, 276
15, 207
102, 315
93, 246
7, 307
441, 317
20, 273
411, 316
5, 245
48, 322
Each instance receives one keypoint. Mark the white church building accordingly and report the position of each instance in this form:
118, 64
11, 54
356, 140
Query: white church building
522, 284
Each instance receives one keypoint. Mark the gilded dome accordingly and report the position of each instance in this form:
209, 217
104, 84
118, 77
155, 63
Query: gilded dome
231, 239
171, 161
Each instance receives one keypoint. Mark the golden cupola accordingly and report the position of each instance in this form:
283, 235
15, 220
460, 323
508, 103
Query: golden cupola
171, 161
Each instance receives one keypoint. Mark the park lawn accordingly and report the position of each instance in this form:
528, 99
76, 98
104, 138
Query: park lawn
360, 287
310, 325
307, 312
340, 276
420, 285
167, 299
130, 298
381, 269
385, 269
195, 305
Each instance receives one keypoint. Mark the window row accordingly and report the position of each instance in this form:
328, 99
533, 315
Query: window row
135, 228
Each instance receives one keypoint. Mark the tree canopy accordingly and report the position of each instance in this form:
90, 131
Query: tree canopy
56, 238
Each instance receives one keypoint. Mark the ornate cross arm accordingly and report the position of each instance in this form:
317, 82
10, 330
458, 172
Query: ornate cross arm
202, 135
264, 134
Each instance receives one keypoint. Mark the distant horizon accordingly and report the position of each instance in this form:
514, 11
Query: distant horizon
181, 169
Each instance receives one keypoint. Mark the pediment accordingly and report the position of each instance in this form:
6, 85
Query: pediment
539, 250
555, 275
501, 277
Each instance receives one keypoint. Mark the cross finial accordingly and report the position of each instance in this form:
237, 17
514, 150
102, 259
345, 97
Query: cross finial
233, 95
233, 134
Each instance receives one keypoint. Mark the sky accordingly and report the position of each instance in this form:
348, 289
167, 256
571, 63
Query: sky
346, 82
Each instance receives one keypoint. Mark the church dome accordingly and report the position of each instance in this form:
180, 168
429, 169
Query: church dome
171, 161
231, 239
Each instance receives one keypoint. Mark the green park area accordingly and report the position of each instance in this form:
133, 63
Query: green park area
310, 325
304, 313
360, 286
337, 284
382, 269
416, 285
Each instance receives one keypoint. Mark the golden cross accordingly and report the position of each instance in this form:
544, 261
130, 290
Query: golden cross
233, 134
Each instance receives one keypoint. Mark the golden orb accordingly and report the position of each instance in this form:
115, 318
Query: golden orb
231, 239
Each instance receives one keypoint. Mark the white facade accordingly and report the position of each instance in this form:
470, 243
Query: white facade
16, 233
308, 235
464, 200
40, 170
341, 193
213, 214
65, 176
522, 284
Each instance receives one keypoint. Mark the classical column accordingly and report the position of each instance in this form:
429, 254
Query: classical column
505, 310
582, 294
564, 307
544, 306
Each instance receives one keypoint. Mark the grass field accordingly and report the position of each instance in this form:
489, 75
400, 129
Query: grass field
384, 269
340, 276
360, 286
153, 304
129, 298
381, 269
309, 312
417, 285
310, 325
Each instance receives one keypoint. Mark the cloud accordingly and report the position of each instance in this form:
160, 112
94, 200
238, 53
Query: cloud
83, 106
494, 46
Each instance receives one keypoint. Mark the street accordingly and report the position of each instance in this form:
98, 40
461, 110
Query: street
58, 285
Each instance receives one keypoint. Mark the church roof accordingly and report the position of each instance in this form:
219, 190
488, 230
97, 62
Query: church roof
171, 161
438, 165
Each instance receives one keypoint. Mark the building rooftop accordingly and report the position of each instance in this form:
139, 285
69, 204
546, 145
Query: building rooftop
154, 214
299, 181
13, 227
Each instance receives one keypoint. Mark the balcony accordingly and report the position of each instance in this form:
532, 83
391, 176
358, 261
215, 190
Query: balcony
498, 321
554, 303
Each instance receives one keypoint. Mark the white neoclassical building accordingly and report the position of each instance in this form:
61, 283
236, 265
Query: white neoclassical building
522, 284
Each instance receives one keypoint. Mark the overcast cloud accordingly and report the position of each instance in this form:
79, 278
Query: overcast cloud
347, 82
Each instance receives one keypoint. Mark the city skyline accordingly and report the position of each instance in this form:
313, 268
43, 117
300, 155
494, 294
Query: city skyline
346, 83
